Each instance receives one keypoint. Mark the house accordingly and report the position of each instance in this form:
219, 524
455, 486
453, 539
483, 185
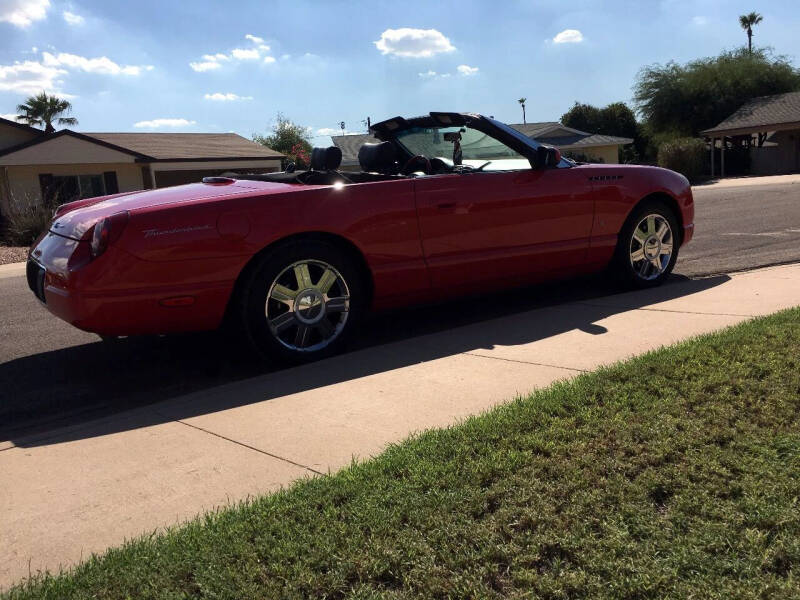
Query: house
770, 127
591, 146
68, 165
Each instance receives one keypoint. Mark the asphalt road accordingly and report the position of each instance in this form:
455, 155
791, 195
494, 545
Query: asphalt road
52, 374
741, 228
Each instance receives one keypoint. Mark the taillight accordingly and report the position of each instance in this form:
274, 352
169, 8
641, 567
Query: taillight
106, 232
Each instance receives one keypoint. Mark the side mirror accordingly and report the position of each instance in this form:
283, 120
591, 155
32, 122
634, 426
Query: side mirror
547, 157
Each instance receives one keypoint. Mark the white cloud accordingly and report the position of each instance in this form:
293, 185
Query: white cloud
699, 21
72, 18
427, 74
413, 43
159, 123
102, 65
245, 54
466, 70
219, 97
568, 36
10, 117
31, 77
204, 66
23, 13
214, 61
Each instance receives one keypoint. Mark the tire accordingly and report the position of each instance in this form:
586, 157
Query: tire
646, 252
302, 302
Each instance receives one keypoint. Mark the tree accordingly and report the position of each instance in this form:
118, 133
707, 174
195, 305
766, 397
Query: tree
683, 100
288, 138
522, 103
584, 117
45, 110
615, 119
747, 22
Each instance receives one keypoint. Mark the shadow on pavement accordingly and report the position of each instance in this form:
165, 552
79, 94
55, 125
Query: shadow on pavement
58, 396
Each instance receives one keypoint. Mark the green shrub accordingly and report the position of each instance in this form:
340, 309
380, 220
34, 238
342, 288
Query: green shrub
23, 224
687, 156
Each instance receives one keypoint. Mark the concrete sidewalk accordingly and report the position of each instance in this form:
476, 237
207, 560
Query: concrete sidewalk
82, 489
748, 180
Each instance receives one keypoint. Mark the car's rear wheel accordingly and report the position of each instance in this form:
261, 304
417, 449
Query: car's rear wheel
647, 248
302, 302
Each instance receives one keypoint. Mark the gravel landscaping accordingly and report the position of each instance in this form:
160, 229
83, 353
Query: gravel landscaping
12, 254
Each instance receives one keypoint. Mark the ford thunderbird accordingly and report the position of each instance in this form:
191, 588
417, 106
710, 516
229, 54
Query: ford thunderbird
444, 205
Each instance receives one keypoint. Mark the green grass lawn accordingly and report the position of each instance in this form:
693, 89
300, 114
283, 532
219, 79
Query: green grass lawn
674, 475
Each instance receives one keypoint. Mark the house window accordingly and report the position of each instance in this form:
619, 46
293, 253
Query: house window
58, 189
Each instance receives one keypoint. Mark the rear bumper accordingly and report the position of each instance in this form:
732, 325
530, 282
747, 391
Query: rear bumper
119, 294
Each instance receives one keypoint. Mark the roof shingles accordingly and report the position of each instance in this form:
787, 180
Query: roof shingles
188, 146
762, 112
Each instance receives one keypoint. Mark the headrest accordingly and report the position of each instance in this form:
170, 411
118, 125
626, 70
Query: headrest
377, 157
326, 159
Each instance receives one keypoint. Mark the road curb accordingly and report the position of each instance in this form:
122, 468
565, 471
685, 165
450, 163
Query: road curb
12, 270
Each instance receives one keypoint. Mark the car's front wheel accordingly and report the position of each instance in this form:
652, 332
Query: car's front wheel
647, 248
302, 302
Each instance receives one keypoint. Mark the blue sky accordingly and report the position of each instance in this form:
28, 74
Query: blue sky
213, 66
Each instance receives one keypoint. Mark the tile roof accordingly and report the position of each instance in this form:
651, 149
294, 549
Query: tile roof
761, 113
187, 146
585, 140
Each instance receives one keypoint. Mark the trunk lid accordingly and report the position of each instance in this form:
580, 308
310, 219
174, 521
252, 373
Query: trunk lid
75, 219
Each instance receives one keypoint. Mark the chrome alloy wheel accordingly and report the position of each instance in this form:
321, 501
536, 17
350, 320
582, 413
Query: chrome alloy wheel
651, 247
307, 305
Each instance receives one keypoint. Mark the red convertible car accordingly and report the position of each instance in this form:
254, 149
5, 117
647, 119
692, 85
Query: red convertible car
445, 205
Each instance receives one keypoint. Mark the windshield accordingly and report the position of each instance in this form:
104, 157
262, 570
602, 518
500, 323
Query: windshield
476, 147
565, 163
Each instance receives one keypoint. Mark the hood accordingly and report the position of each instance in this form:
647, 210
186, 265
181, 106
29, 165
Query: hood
75, 219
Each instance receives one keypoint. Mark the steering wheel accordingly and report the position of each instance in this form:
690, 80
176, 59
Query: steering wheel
417, 159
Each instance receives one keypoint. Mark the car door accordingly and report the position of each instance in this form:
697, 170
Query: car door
503, 226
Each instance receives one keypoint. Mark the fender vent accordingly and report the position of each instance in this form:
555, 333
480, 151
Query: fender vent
605, 177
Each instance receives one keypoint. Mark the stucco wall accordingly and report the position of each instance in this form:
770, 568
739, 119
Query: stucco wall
608, 154
782, 158
23, 182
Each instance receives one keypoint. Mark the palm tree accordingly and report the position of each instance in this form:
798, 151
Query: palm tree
44, 110
747, 22
522, 103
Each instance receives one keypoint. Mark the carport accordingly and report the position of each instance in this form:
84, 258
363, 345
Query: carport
770, 127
